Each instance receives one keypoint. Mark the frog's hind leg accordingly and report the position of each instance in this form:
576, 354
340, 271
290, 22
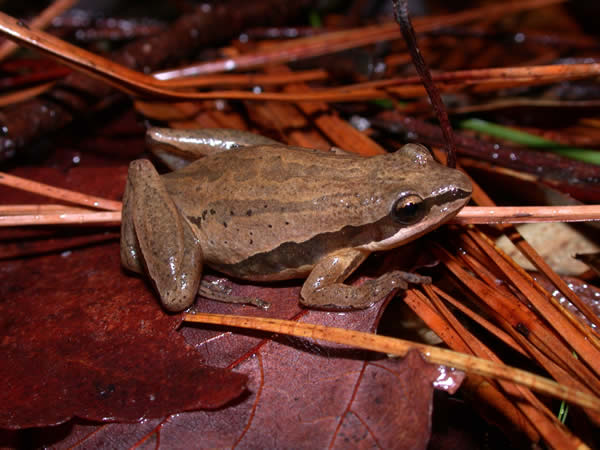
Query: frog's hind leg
178, 148
130, 248
157, 239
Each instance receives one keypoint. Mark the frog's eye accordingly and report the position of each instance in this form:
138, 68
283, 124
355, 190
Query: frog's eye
408, 209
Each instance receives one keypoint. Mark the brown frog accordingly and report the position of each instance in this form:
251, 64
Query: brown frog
255, 209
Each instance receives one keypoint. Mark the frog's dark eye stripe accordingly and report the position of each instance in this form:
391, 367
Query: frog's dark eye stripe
409, 209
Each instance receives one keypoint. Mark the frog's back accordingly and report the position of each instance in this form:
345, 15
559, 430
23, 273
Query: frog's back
246, 203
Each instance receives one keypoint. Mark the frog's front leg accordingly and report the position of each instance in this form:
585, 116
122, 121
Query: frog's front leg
157, 239
324, 287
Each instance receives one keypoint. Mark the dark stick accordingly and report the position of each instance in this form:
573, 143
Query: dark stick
579, 179
24, 123
403, 19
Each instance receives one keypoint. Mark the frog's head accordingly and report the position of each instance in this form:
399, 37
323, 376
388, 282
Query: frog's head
421, 195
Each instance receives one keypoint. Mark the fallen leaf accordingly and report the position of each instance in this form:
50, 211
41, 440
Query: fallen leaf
557, 243
81, 338
301, 393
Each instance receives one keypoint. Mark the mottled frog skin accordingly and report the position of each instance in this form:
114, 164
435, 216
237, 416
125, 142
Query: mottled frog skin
261, 210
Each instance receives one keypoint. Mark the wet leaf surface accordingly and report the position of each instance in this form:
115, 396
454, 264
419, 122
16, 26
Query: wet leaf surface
587, 292
81, 338
301, 393
308, 394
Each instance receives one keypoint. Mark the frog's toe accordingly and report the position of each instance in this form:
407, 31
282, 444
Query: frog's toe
177, 299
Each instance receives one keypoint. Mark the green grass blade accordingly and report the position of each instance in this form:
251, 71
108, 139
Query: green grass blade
530, 140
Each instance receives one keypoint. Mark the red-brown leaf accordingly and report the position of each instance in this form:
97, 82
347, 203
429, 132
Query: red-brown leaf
302, 394
81, 338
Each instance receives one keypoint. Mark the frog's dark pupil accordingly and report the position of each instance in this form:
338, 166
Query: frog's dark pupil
408, 209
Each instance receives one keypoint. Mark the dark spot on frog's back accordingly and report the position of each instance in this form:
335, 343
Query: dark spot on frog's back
195, 220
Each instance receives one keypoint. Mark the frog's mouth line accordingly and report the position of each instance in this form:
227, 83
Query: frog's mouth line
449, 198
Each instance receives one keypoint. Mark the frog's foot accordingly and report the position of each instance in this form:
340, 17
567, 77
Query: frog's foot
339, 296
217, 291
324, 287
158, 238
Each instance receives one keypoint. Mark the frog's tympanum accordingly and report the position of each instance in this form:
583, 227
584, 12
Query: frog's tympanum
255, 209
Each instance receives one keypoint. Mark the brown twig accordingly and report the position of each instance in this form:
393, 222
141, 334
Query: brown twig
532, 255
22, 210
338, 130
58, 193
23, 94
249, 79
552, 354
518, 316
113, 217
56, 8
79, 95
468, 215
403, 19
506, 338
135, 82
32, 78
527, 214
580, 343
453, 80
484, 391
337, 41
139, 84
539, 415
